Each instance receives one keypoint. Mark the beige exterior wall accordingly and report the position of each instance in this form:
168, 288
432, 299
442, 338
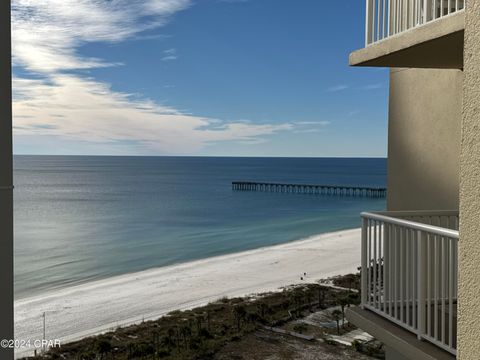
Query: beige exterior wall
469, 246
424, 139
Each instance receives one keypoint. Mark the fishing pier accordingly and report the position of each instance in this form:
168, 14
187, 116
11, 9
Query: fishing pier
358, 191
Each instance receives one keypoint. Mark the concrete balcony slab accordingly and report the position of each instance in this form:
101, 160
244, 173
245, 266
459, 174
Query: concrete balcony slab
435, 45
397, 340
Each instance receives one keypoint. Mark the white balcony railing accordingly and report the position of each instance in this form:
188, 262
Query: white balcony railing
409, 272
390, 17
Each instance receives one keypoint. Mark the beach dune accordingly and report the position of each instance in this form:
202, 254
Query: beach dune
98, 306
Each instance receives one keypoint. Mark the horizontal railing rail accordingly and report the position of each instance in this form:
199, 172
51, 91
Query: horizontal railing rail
442, 218
440, 222
410, 272
385, 18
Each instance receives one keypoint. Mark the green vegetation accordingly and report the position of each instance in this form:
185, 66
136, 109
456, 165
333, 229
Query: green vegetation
201, 332
336, 315
373, 349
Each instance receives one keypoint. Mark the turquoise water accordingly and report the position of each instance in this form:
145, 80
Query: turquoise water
80, 218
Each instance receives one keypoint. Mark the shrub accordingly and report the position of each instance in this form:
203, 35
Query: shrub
300, 328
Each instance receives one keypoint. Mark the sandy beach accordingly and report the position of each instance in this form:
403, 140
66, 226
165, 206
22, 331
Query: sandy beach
91, 308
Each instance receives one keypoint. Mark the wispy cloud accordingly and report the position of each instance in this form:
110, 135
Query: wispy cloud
304, 127
342, 87
372, 86
169, 55
48, 33
150, 37
233, 1
314, 123
337, 88
91, 111
58, 101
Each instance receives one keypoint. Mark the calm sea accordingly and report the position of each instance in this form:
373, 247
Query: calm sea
80, 218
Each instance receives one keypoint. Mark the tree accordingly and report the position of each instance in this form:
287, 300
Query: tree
156, 340
343, 301
336, 315
321, 297
103, 347
208, 320
354, 298
252, 317
171, 337
297, 301
308, 298
263, 309
199, 322
186, 332
239, 314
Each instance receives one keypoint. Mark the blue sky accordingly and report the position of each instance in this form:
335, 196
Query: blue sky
204, 77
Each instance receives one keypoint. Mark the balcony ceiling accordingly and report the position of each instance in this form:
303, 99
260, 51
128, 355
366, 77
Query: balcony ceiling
436, 45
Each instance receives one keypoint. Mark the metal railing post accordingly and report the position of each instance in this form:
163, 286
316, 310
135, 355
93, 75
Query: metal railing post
421, 283
425, 11
369, 22
364, 268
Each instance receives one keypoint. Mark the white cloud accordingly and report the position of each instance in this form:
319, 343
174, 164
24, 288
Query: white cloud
372, 86
354, 112
233, 1
342, 87
337, 88
169, 58
315, 123
47, 33
305, 127
57, 103
170, 54
91, 111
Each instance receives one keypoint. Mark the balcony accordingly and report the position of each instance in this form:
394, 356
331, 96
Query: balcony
409, 272
387, 18
413, 33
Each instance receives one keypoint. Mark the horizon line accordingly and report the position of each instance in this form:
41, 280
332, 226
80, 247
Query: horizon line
213, 156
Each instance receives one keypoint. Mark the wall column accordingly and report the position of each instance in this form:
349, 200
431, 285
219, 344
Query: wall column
469, 245
6, 183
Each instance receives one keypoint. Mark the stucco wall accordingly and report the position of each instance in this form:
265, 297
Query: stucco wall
424, 139
469, 246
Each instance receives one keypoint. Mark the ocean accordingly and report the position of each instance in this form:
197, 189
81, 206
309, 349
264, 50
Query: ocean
83, 218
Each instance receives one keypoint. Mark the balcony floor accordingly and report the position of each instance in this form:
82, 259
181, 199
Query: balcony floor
407, 317
396, 337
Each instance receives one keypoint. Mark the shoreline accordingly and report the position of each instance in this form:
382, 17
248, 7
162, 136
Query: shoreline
101, 305
119, 277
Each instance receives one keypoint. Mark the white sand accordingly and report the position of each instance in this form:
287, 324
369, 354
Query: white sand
98, 306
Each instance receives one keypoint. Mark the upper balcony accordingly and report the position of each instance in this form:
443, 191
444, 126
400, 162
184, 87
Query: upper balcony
413, 33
